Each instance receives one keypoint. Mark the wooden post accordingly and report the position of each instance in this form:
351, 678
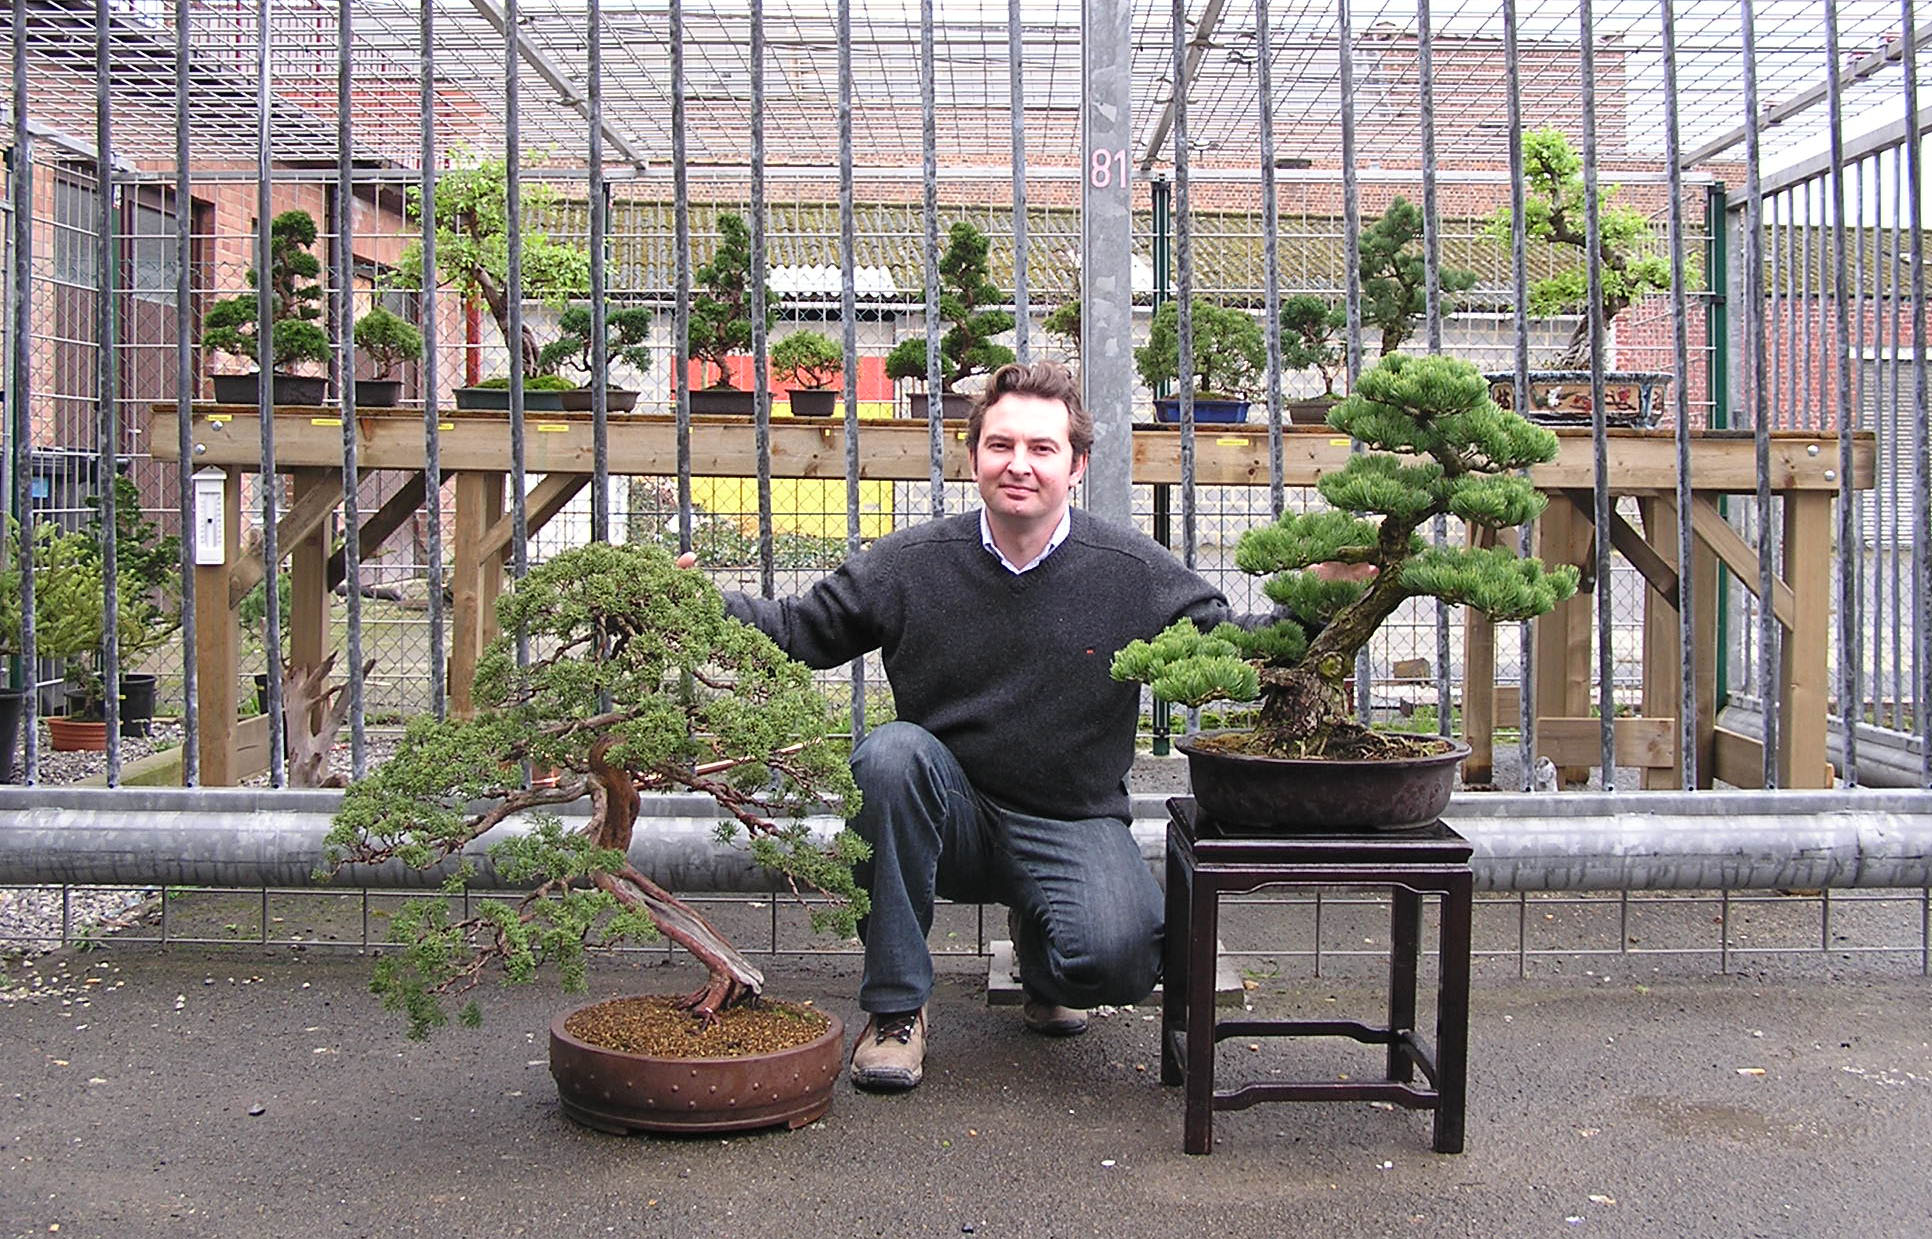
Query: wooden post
216, 639
308, 573
476, 581
1704, 656
1803, 759
1663, 635
1479, 682
1563, 655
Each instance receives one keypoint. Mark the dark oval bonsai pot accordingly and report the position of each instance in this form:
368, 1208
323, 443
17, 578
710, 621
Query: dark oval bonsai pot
722, 402
952, 404
1168, 409
621, 1092
1286, 796
378, 393
497, 399
284, 389
813, 401
616, 400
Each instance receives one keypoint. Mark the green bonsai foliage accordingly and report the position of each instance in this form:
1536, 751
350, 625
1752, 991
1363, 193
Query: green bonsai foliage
1229, 353
701, 702
295, 302
388, 339
721, 311
1311, 338
1395, 279
10, 612
968, 302
1553, 212
1440, 446
473, 246
808, 359
1064, 324
626, 328
531, 382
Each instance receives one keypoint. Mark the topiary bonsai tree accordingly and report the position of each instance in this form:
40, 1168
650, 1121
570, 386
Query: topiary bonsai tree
473, 247
721, 310
388, 339
626, 329
1394, 277
295, 303
636, 680
1553, 212
1436, 409
968, 302
1229, 353
809, 360
1311, 338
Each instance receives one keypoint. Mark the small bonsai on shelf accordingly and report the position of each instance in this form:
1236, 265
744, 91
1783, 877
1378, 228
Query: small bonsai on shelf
721, 310
702, 703
295, 303
808, 360
968, 303
1553, 212
1229, 354
1311, 338
1458, 456
626, 331
1394, 276
388, 340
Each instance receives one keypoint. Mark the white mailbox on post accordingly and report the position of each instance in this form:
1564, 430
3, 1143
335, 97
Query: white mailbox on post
211, 526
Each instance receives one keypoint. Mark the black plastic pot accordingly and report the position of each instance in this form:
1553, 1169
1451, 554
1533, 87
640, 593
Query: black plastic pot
813, 401
722, 402
285, 389
1292, 796
378, 393
137, 704
13, 705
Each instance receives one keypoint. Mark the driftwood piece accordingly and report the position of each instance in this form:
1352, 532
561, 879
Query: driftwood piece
313, 711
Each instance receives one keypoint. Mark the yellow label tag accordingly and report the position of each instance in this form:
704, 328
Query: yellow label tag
1340, 442
961, 436
1230, 442
325, 421
551, 428
445, 425
217, 421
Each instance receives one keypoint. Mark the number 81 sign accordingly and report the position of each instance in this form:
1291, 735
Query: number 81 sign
1107, 168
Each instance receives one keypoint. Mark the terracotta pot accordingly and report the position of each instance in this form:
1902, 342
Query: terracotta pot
1287, 796
1168, 409
621, 1092
73, 735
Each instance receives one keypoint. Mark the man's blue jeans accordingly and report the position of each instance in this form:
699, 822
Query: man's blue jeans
1090, 912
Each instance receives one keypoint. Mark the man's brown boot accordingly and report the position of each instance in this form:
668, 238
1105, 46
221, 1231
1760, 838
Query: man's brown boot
1041, 1016
890, 1055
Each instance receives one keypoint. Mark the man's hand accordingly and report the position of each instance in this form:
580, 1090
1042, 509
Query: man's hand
1335, 570
688, 560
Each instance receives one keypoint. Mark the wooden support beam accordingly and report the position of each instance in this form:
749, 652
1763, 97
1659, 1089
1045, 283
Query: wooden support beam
1656, 568
1737, 759
386, 520
306, 515
1663, 688
474, 582
1479, 681
1804, 668
1647, 743
216, 639
1738, 555
1562, 638
308, 567
545, 500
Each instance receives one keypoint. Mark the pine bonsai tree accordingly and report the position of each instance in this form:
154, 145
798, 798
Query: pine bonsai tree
1434, 408
701, 702
626, 328
721, 311
295, 302
967, 296
1553, 212
1311, 338
1395, 278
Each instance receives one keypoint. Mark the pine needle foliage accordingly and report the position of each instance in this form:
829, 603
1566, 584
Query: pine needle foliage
636, 680
1440, 446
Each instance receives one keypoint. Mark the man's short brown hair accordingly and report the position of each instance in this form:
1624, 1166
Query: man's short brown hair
1048, 380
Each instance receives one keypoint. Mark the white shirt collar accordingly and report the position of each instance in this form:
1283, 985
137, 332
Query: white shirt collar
1053, 543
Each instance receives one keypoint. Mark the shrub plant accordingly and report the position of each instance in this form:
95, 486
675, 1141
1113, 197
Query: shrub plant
1229, 353
295, 302
969, 303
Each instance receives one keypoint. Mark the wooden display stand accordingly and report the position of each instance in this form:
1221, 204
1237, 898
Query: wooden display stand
474, 452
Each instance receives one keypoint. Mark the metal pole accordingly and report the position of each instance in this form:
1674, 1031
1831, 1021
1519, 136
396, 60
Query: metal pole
432, 430
1680, 364
107, 355
1270, 254
184, 386
266, 477
1519, 300
345, 202
1184, 287
929, 163
599, 307
1352, 280
513, 294
1756, 380
1016, 96
1921, 432
849, 330
1850, 621
1432, 313
681, 306
1599, 434
20, 392
760, 375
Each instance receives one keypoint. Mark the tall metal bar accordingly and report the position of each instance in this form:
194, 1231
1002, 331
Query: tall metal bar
599, 307
107, 356
760, 375
1599, 433
1184, 288
1352, 277
849, 330
681, 305
1687, 730
1016, 97
1432, 312
20, 391
266, 477
1893, 413
1519, 301
513, 295
1756, 382
345, 202
1850, 697
929, 164
184, 384
1270, 252
432, 427
1921, 432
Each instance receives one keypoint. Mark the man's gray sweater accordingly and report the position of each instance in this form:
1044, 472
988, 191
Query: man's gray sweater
1009, 671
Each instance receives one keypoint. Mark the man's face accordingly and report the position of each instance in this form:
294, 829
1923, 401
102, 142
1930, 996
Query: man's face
1024, 464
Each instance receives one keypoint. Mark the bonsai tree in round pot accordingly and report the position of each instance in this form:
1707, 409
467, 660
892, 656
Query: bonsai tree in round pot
388, 340
1229, 356
626, 330
1439, 446
295, 303
969, 303
473, 256
808, 363
721, 317
1311, 339
1554, 213
636, 680
1394, 277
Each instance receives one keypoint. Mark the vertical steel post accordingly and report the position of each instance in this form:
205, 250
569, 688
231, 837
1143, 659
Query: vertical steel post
760, 375
1680, 390
1432, 315
849, 330
345, 203
1106, 253
1756, 381
1921, 431
599, 192
929, 160
266, 477
184, 384
107, 342
1850, 622
1352, 280
20, 392
1519, 300
1270, 254
681, 306
1184, 291
432, 432
1016, 105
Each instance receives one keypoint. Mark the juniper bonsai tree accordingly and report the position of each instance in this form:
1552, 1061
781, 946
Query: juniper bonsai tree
1229, 353
1436, 409
721, 311
1553, 212
626, 330
1311, 338
636, 680
1394, 276
388, 339
295, 302
968, 300
808, 359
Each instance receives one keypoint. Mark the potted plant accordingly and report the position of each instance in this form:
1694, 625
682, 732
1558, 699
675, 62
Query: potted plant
1228, 358
1311, 339
1553, 213
294, 306
1394, 277
388, 340
1063, 324
968, 303
472, 256
701, 703
626, 328
721, 317
1438, 446
808, 363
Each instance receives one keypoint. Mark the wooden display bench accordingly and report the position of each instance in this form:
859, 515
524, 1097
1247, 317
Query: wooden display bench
558, 449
